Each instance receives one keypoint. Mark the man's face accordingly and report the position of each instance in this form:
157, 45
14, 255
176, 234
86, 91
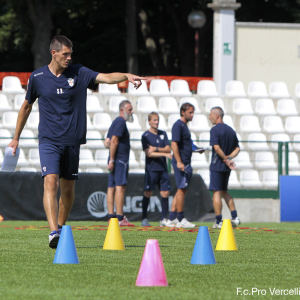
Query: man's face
62, 57
154, 122
128, 111
213, 117
189, 114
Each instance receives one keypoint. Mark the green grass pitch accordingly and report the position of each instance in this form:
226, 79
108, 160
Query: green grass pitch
268, 258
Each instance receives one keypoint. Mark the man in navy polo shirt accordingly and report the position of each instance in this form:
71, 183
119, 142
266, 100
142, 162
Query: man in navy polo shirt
119, 149
156, 145
182, 146
61, 90
225, 146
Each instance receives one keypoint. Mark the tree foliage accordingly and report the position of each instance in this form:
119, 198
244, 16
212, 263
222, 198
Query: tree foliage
159, 42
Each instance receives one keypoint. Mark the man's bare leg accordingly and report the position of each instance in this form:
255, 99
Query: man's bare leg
119, 198
217, 202
110, 200
229, 201
51, 182
66, 200
180, 194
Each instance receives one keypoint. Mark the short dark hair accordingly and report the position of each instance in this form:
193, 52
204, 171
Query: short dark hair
59, 41
123, 103
219, 111
185, 106
153, 113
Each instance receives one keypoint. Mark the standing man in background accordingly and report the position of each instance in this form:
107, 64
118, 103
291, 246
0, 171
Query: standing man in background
225, 146
156, 146
119, 149
61, 89
182, 147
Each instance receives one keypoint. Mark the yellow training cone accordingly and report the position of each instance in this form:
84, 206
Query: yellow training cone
113, 239
226, 240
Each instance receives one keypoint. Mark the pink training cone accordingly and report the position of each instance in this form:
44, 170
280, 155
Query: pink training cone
152, 271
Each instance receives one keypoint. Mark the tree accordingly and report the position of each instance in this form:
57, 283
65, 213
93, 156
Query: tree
40, 14
103, 32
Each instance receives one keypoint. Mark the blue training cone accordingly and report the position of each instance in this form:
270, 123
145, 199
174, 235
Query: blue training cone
66, 251
203, 253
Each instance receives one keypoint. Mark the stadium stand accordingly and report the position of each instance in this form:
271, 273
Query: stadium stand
146, 104
86, 158
265, 106
4, 104
242, 106
207, 88
167, 105
159, 87
12, 84
108, 89
257, 89
297, 90
179, 87
235, 89
278, 89
261, 117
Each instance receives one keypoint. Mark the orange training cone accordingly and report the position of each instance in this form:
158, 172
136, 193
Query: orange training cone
113, 239
226, 240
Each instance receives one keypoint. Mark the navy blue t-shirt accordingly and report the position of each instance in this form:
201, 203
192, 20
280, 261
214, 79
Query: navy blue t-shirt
224, 136
62, 103
181, 134
156, 140
119, 128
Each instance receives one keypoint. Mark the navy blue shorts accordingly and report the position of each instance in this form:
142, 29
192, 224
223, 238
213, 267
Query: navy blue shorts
61, 160
182, 179
119, 175
219, 181
160, 178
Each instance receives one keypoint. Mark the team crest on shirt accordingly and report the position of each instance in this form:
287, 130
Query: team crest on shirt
71, 82
162, 136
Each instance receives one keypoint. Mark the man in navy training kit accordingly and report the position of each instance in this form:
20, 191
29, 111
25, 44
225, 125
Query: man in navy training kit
156, 145
182, 147
225, 146
119, 149
61, 89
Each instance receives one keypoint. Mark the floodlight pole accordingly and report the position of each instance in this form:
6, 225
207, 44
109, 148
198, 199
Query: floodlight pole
196, 20
224, 41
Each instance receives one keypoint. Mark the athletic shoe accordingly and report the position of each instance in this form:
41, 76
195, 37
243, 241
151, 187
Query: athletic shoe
145, 222
53, 239
163, 222
172, 223
235, 222
125, 222
218, 225
185, 224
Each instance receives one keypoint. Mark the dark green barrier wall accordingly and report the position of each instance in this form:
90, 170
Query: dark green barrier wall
21, 197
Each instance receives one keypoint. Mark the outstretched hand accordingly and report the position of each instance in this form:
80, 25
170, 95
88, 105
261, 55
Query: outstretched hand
136, 80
